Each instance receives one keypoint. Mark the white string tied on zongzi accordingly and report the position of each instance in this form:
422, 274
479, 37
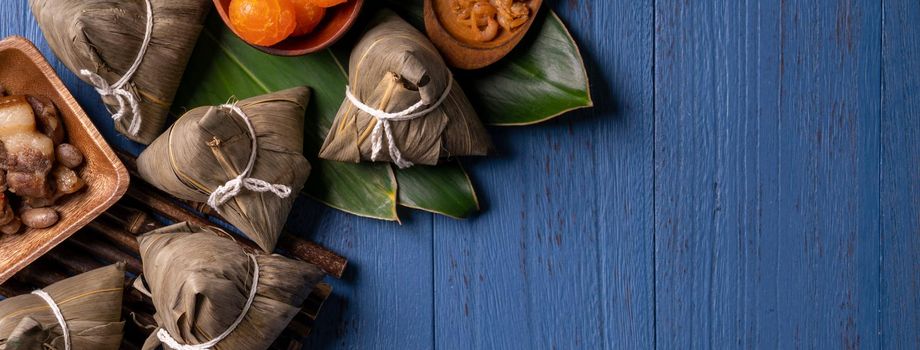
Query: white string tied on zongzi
65, 332
169, 341
117, 90
233, 187
383, 127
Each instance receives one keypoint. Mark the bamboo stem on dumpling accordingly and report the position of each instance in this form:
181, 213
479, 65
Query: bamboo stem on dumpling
244, 159
402, 105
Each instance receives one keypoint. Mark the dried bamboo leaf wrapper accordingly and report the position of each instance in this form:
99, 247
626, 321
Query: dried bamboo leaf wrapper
393, 67
184, 163
199, 283
89, 302
105, 36
28, 334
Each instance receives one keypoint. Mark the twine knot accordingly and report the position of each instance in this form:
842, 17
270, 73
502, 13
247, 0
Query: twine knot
383, 127
233, 187
117, 90
120, 94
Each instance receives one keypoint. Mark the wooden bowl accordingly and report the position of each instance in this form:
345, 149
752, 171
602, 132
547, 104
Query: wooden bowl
462, 52
336, 23
23, 70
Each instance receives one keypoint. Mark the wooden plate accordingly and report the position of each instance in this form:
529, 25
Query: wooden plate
462, 52
335, 24
23, 70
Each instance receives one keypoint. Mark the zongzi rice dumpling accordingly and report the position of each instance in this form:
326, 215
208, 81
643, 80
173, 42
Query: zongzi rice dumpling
207, 290
87, 306
245, 160
402, 105
132, 51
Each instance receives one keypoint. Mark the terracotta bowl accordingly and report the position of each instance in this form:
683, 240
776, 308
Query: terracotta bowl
465, 54
336, 23
24, 71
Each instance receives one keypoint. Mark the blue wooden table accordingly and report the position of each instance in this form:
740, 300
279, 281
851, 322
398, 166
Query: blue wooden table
750, 177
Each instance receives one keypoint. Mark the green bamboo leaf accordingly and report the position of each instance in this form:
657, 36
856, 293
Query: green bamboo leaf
444, 189
224, 66
542, 78
531, 85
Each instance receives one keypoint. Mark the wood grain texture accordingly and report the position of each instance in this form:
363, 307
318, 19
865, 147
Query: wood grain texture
900, 186
748, 178
384, 300
106, 179
561, 256
766, 165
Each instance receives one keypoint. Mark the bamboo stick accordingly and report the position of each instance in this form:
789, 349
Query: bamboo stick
114, 235
133, 220
295, 345
107, 252
313, 253
65, 256
39, 274
12, 288
301, 325
317, 299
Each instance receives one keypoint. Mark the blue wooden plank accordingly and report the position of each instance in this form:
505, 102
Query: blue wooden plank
385, 300
766, 165
561, 256
900, 215
618, 45
768, 216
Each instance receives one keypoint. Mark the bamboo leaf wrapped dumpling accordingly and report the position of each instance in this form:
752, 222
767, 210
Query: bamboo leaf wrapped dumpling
89, 304
136, 68
207, 290
402, 105
204, 156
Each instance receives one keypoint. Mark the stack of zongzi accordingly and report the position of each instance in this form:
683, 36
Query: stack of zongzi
207, 290
88, 306
403, 104
133, 51
245, 160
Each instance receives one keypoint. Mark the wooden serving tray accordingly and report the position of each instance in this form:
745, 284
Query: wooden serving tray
23, 70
